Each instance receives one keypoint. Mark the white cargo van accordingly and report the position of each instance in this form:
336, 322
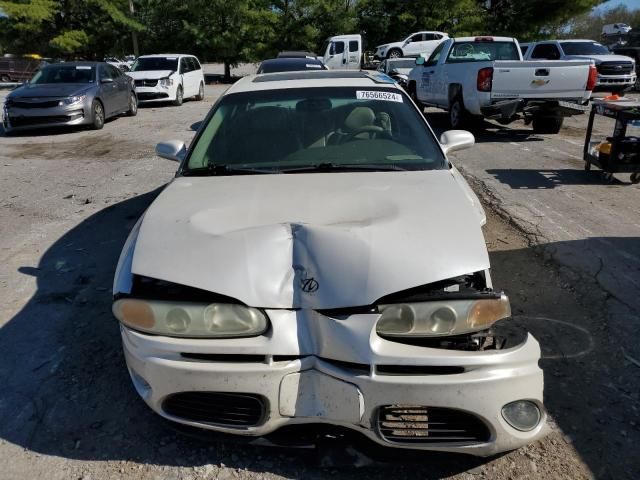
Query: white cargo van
343, 52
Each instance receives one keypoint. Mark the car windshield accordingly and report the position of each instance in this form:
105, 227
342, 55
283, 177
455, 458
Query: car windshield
65, 74
155, 63
583, 48
482, 51
290, 66
404, 63
330, 128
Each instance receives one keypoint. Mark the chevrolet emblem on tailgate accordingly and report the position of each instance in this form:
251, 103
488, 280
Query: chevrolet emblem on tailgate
539, 82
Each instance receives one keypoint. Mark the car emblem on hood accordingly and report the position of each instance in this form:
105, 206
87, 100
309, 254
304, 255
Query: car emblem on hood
309, 285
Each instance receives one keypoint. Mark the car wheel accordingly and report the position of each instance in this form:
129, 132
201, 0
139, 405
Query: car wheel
548, 125
179, 97
458, 116
5, 78
133, 105
394, 53
200, 95
97, 115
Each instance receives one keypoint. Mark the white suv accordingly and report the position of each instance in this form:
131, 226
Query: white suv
168, 77
419, 43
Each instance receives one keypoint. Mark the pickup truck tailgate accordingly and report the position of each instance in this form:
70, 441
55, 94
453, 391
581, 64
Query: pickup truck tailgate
540, 79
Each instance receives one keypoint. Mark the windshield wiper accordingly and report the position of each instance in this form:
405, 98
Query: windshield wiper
344, 167
222, 170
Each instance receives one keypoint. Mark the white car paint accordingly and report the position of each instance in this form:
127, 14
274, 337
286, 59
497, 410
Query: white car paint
188, 79
360, 236
418, 43
343, 52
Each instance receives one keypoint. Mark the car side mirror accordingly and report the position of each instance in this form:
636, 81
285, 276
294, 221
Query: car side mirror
174, 150
454, 140
107, 80
420, 61
407, 41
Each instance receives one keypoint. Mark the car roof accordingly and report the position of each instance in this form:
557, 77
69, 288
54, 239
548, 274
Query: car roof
570, 40
296, 54
291, 61
162, 55
312, 79
78, 64
473, 39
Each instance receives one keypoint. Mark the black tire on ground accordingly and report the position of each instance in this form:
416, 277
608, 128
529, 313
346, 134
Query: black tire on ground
549, 125
5, 78
133, 105
458, 115
200, 95
97, 115
179, 97
635, 177
394, 53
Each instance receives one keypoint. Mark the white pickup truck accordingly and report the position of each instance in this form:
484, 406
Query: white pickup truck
475, 77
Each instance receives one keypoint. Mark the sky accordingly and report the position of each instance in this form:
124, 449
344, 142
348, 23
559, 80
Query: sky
632, 4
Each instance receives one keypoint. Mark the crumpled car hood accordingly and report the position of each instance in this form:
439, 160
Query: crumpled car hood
150, 74
600, 58
318, 240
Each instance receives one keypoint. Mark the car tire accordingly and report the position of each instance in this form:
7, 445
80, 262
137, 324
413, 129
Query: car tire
133, 105
97, 115
179, 97
5, 78
547, 125
200, 95
458, 115
394, 53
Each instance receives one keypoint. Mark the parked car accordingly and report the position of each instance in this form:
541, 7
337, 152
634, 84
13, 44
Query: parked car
398, 69
343, 52
18, 69
297, 54
616, 73
290, 64
330, 271
631, 49
118, 63
476, 77
71, 93
415, 44
168, 78
615, 28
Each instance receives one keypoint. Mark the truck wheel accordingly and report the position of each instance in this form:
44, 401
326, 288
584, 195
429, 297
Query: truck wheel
458, 116
179, 97
394, 53
5, 78
200, 95
97, 115
549, 125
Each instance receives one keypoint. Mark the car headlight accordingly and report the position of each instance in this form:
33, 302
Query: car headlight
182, 319
72, 100
166, 82
437, 318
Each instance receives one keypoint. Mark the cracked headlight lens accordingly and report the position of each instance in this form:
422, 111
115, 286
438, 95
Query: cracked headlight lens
217, 320
166, 82
445, 317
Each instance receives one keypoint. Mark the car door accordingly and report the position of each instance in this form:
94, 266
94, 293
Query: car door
198, 74
109, 93
353, 56
336, 58
413, 45
429, 77
122, 84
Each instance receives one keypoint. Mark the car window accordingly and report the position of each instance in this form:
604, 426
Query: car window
353, 45
114, 71
417, 37
382, 67
311, 126
482, 51
195, 63
336, 48
431, 36
104, 72
523, 49
435, 56
155, 63
184, 68
584, 48
65, 74
546, 51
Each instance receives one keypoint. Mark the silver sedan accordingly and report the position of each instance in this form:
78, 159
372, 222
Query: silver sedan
73, 93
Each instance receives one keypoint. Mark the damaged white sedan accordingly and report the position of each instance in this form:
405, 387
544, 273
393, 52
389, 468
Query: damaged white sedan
318, 261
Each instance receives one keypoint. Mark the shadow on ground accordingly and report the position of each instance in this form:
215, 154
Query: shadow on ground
66, 391
522, 178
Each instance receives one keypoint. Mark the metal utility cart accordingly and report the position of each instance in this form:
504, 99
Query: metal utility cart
619, 153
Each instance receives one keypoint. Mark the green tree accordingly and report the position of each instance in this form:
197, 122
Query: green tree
21, 27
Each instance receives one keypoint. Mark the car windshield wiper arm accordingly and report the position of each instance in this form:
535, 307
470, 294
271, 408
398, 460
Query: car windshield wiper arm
334, 167
221, 169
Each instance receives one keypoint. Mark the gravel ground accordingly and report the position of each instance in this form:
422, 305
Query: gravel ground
68, 410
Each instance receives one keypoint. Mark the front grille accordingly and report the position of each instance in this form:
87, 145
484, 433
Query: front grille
615, 68
151, 95
50, 120
47, 104
428, 425
146, 83
233, 410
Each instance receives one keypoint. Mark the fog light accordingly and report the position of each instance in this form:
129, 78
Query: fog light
522, 415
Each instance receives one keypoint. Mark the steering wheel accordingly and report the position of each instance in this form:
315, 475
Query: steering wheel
370, 129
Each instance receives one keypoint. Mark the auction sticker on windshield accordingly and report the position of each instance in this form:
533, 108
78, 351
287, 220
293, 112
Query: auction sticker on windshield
378, 95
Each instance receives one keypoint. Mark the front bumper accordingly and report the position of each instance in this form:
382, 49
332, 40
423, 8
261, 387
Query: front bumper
28, 118
156, 94
614, 82
310, 369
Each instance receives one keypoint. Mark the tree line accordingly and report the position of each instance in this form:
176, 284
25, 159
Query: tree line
233, 31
